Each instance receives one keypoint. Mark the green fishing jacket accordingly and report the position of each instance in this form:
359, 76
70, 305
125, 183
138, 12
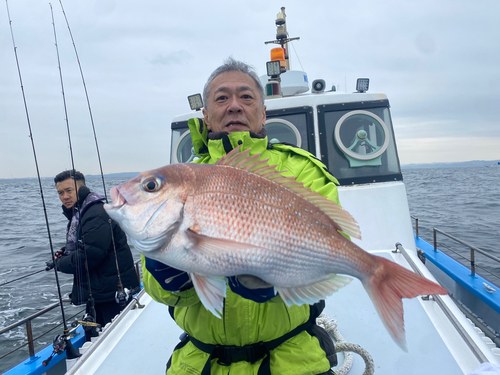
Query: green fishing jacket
244, 321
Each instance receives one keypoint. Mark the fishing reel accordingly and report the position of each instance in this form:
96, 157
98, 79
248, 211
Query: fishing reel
50, 264
88, 322
61, 344
122, 296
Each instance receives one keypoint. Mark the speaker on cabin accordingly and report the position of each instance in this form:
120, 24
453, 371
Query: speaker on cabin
318, 86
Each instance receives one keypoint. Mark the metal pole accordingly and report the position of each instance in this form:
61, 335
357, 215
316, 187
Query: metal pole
29, 332
435, 241
472, 262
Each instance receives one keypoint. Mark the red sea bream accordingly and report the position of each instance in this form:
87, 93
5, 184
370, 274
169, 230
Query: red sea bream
242, 217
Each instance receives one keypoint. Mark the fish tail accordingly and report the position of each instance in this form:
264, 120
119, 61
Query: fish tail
386, 288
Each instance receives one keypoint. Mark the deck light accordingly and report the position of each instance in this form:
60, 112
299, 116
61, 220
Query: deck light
362, 84
273, 68
195, 102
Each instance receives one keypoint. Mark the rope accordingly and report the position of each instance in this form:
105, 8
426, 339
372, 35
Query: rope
22, 277
341, 345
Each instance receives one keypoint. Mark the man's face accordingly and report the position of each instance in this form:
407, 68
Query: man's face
67, 193
234, 104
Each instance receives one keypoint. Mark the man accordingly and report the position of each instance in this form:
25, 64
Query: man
89, 254
258, 333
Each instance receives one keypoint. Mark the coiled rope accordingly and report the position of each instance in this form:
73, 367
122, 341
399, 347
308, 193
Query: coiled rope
341, 345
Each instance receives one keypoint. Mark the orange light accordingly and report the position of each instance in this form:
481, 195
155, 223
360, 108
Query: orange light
277, 54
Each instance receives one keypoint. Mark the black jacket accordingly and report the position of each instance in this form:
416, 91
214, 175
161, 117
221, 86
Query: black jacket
94, 238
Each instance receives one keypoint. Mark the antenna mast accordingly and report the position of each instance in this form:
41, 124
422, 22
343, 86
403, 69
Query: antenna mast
282, 35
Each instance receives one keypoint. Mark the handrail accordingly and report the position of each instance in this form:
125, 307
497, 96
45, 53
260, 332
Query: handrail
32, 339
416, 224
31, 317
27, 321
446, 310
472, 248
29, 331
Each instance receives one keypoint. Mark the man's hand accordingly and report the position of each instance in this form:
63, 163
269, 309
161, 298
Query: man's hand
51, 263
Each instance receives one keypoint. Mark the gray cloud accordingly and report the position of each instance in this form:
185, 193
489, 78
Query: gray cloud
178, 57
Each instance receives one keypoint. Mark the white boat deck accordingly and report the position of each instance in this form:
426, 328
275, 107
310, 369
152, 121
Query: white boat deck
149, 336
142, 340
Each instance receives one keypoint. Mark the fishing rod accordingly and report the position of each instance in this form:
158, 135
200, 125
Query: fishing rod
88, 101
23, 277
63, 341
89, 319
123, 294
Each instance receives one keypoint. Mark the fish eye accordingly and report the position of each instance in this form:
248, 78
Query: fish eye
151, 184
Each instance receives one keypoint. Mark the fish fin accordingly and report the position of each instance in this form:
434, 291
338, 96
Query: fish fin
388, 286
242, 160
312, 293
206, 244
211, 290
233, 157
339, 216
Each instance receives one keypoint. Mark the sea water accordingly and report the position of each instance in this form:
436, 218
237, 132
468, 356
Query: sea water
464, 202
24, 250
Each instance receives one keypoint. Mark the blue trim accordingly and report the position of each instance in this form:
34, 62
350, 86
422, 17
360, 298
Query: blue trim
461, 274
33, 365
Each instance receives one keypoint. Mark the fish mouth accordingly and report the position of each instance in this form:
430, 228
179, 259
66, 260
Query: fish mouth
117, 198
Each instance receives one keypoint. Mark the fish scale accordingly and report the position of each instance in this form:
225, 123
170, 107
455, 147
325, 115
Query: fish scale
227, 198
242, 217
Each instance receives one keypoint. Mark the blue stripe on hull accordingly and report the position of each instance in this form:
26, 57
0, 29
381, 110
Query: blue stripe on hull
461, 274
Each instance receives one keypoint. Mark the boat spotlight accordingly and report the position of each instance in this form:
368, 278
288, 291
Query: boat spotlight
273, 68
195, 102
362, 84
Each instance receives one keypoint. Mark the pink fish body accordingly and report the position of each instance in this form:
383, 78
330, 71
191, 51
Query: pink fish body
242, 217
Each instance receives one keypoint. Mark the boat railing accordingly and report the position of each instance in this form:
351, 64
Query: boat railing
29, 331
30, 340
471, 261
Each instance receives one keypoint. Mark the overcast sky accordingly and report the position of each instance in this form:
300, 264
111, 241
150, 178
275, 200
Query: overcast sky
437, 61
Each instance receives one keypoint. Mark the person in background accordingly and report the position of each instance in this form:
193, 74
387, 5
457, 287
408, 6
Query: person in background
258, 333
92, 241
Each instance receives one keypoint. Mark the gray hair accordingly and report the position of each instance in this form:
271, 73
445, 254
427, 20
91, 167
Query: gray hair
232, 65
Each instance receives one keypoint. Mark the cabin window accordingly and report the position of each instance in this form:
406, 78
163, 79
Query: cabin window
181, 147
357, 142
293, 126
